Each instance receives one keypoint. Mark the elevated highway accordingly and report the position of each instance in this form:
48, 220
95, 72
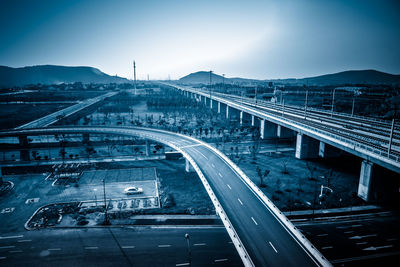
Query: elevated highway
262, 235
318, 133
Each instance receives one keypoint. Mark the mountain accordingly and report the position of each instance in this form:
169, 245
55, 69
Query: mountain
340, 78
347, 77
51, 74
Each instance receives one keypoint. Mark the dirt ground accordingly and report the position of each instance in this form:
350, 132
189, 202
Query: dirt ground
294, 189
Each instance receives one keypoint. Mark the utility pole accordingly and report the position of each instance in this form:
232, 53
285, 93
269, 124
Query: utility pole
391, 138
305, 105
134, 75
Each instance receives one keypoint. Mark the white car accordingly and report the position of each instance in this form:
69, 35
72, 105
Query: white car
133, 190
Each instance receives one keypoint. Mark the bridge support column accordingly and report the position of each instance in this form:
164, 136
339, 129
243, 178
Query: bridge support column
211, 103
219, 107
364, 185
283, 132
267, 129
306, 147
328, 151
227, 112
252, 120
24, 151
85, 138
147, 148
188, 166
245, 118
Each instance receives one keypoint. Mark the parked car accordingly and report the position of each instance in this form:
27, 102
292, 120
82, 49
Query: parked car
133, 190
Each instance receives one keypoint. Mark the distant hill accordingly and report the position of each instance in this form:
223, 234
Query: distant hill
51, 74
345, 77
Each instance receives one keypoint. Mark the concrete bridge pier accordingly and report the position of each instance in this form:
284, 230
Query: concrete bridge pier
364, 185
253, 120
306, 147
267, 129
328, 151
283, 132
219, 107
188, 166
85, 138
227, 113
24, 151
211, 103
148, 152
245, 118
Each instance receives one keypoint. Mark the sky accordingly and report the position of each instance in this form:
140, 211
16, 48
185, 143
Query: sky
251, 39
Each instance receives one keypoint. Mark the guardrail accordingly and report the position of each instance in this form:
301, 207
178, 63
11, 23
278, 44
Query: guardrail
378, 152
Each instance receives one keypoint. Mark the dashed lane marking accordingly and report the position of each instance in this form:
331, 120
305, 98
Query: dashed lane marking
273, 247
219, 260
220, 175
199, 244
183, 264
11, 237
24, 240
328, 247
254, 221
126, 247
164, 246
5, 247
229, 186
241, 203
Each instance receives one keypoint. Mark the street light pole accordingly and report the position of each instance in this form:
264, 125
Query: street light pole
105, 203
305, 105
391, 138
187, 237
333, 101
210, 83
255, 94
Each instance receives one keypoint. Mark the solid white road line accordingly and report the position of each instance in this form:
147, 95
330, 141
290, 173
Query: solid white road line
164, 246
219, 260
240, 201
220, 175
10, 237
273, 247
362, 243
229, 186
327, 247
254, 221
199, 244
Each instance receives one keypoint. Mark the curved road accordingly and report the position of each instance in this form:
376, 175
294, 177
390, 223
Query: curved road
267, 236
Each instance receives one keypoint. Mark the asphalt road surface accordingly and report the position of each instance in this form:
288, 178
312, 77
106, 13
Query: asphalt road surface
266, 239
138, 246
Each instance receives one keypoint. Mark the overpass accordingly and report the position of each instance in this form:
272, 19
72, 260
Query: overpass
262, 235
61, 114
318, 133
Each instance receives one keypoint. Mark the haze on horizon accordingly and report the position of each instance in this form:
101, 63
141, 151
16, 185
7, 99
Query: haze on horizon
252, 39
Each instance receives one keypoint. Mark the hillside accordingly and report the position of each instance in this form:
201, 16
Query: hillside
340, 78
348, 77
50, 74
